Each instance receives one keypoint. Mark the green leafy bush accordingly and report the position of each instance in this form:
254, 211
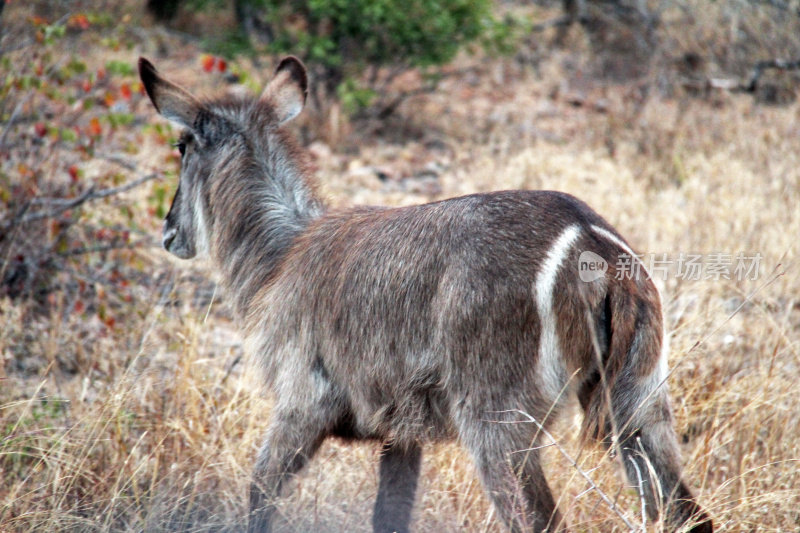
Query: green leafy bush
346, 43
412, 32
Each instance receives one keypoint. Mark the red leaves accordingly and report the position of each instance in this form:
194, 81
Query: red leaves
75, 106
94, 127
208, 62
125, 91
79, 22
25, 171
74, 174
38, 21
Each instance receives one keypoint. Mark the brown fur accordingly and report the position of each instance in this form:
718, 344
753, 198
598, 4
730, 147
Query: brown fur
420, 323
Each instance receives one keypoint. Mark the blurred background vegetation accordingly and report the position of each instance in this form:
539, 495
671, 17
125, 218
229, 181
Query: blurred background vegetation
123, 400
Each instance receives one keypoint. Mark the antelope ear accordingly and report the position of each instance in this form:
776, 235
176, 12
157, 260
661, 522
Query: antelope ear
170, 100
288, 89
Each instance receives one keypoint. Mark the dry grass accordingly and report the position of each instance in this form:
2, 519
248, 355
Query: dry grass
152, 423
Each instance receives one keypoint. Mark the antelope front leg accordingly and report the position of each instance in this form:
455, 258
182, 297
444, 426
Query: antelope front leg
293, 438
399, 471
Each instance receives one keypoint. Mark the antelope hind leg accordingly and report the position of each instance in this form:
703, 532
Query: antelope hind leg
399, 472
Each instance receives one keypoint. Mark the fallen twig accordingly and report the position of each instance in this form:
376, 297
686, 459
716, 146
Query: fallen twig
761, 66
751, 85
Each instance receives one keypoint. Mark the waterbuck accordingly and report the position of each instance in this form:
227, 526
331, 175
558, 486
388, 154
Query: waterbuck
466, 318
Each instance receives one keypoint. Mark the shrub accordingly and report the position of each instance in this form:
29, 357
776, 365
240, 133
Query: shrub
335, 33
342, 40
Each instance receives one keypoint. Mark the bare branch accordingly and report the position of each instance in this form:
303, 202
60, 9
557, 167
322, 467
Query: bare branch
13, 118
780, 5
104, 248
63, 204
118, 159
558, 22
24, 43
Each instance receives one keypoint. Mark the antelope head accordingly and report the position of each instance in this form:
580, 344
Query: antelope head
219, 138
